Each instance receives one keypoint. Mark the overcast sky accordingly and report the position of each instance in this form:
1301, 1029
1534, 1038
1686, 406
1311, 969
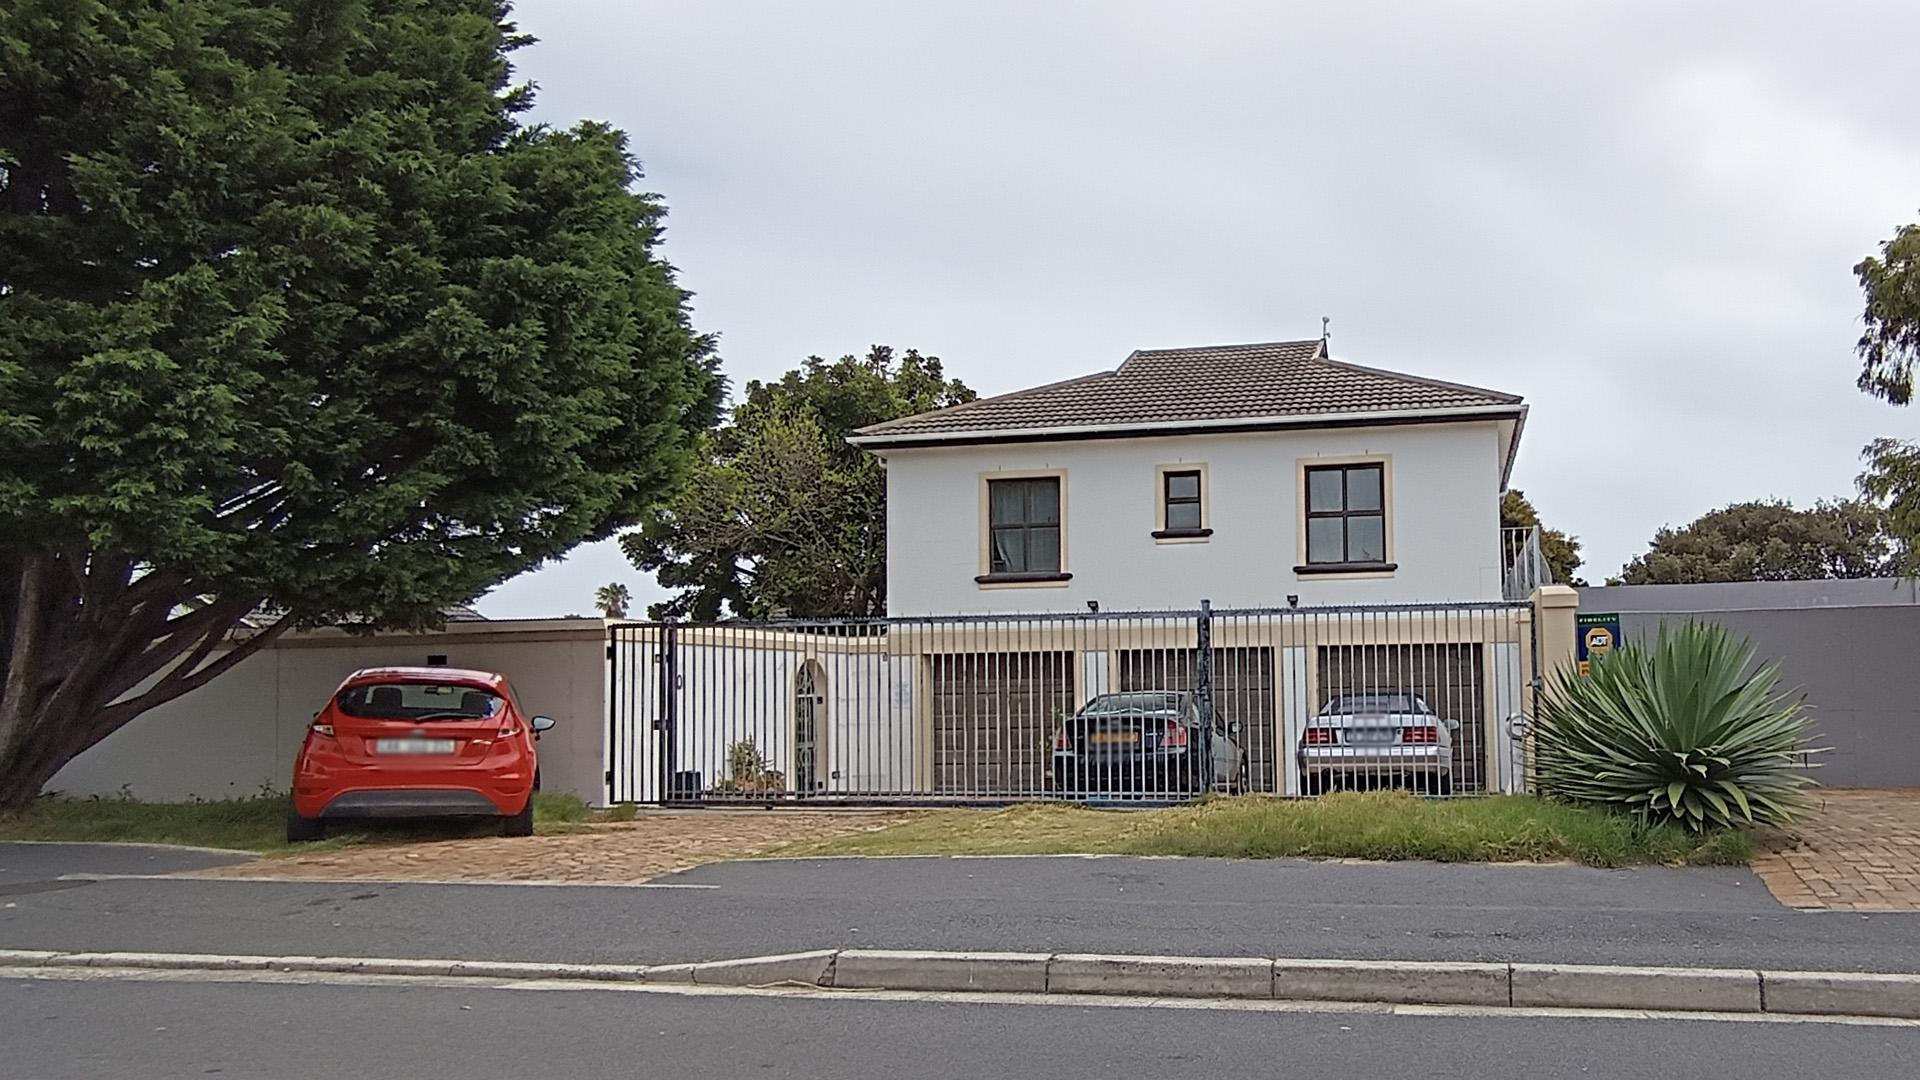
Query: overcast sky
1640, 216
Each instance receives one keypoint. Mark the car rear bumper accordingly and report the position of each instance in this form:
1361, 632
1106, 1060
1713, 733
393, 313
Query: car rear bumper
1401, 758
411, 802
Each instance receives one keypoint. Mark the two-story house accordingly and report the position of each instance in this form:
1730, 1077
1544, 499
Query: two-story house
1250, 475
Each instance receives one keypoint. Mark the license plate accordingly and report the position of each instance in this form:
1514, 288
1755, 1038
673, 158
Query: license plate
1114, 737
413, 746
1385, 735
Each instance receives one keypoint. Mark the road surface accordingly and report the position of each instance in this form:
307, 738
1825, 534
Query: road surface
153, 1030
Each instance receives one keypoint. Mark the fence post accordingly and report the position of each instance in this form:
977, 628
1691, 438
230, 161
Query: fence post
1203, 663
668, 723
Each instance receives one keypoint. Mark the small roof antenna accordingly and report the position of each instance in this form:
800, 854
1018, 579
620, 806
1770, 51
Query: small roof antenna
1326, 332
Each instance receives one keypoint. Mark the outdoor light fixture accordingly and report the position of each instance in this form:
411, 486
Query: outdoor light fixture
1293, 599
1093, 606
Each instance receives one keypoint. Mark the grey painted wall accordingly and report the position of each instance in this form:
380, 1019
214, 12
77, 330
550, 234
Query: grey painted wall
1859, 665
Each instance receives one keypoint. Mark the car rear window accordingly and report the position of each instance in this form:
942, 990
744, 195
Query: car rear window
1374, 703
418, 701
1148, 702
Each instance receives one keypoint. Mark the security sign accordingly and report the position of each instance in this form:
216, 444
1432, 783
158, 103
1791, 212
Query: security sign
1598, 634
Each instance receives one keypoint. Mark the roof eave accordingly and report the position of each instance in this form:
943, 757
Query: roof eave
1191, 427
1513, 448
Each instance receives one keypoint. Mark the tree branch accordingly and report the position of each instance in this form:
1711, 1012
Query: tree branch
180, 681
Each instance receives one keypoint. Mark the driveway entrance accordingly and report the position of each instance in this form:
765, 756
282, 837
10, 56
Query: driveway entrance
1859, 852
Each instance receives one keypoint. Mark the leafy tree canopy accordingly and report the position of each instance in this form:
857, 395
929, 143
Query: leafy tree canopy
1891, 343
1562, 551
782, 516
1771, 541
296, 316
1888, 350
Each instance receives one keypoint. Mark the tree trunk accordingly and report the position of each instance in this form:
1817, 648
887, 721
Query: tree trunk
88, 647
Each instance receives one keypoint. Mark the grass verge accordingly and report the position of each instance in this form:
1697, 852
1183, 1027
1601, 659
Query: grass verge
251, 824
1373, 825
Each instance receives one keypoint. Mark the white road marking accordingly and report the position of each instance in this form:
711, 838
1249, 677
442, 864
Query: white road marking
195, 876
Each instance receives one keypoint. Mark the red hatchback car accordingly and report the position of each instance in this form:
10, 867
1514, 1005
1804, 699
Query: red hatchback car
418, 742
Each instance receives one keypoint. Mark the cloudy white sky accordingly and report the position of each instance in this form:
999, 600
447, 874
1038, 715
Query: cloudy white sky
1641, 216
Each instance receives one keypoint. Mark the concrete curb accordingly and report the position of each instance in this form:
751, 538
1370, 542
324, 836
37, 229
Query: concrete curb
1408, 982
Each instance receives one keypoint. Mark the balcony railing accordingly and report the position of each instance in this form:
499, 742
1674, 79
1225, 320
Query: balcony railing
1523, 566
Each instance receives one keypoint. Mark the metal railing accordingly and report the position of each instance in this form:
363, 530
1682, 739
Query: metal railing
1138, 706
1523, 565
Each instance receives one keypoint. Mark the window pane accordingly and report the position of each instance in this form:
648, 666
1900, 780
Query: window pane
1183, 515
1323, 540
1043, 550
1323, 489
1367, 538
1009, 551
1363, 488
1183, 485
1007, 504
1043, 501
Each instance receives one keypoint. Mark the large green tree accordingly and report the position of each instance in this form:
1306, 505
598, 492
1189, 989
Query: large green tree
1561, 551
297, 318
1770, 541
782, 516
1889, 349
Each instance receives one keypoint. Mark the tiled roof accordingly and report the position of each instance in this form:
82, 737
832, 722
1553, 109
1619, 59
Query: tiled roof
1190, 388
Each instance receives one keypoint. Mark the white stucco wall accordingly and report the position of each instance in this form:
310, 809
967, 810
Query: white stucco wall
237, 735
1444, 520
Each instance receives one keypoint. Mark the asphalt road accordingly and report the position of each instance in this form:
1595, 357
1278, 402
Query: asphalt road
1194, 907
154, 1031
29, 864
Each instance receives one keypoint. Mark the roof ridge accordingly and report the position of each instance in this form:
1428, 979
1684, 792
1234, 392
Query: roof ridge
1421, 379
949, 410
1227, 345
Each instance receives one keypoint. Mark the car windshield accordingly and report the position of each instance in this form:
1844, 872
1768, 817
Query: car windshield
1348, 704
418, 701
1153, 701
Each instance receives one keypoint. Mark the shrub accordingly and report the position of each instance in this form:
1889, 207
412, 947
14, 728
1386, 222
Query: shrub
1676, 731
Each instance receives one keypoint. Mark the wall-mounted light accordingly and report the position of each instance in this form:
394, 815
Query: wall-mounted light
437, 659
1293, 599
1093, 606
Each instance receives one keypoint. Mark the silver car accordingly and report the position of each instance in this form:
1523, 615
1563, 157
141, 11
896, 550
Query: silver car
1377, 740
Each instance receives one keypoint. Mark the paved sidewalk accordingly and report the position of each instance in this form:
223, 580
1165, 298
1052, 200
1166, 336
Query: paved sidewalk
657, 842
1859, 852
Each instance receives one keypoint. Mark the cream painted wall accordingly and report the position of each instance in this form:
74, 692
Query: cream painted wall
1444, 521
237, 735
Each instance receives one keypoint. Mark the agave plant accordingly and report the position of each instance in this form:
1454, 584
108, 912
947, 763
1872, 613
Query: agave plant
1677, 731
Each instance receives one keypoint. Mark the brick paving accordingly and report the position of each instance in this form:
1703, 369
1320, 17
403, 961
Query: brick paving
656, 842
1859, 852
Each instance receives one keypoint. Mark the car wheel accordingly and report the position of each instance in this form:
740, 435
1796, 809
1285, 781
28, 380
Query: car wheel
1313, 784
520, 824
1443, 785
301, 830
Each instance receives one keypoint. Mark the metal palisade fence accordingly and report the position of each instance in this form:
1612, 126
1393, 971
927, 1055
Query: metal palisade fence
1135, 706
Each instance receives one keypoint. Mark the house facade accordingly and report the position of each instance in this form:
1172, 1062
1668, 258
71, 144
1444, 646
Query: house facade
1251, 475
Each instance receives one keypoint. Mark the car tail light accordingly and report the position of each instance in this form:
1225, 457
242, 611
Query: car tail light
323, 729
1176, 734
508, 732
1062, 740
1420, 735
1318, 736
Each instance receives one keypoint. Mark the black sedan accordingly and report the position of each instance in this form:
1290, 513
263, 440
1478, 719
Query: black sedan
1146, 742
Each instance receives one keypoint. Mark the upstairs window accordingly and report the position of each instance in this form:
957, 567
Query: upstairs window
1023, 527
1182, 501
1347, 516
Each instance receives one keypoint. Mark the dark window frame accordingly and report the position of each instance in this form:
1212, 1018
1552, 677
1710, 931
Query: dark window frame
1198, 500
1345, 515
1025, 528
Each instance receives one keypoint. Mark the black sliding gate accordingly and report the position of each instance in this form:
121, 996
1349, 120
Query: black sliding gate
1107, 706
